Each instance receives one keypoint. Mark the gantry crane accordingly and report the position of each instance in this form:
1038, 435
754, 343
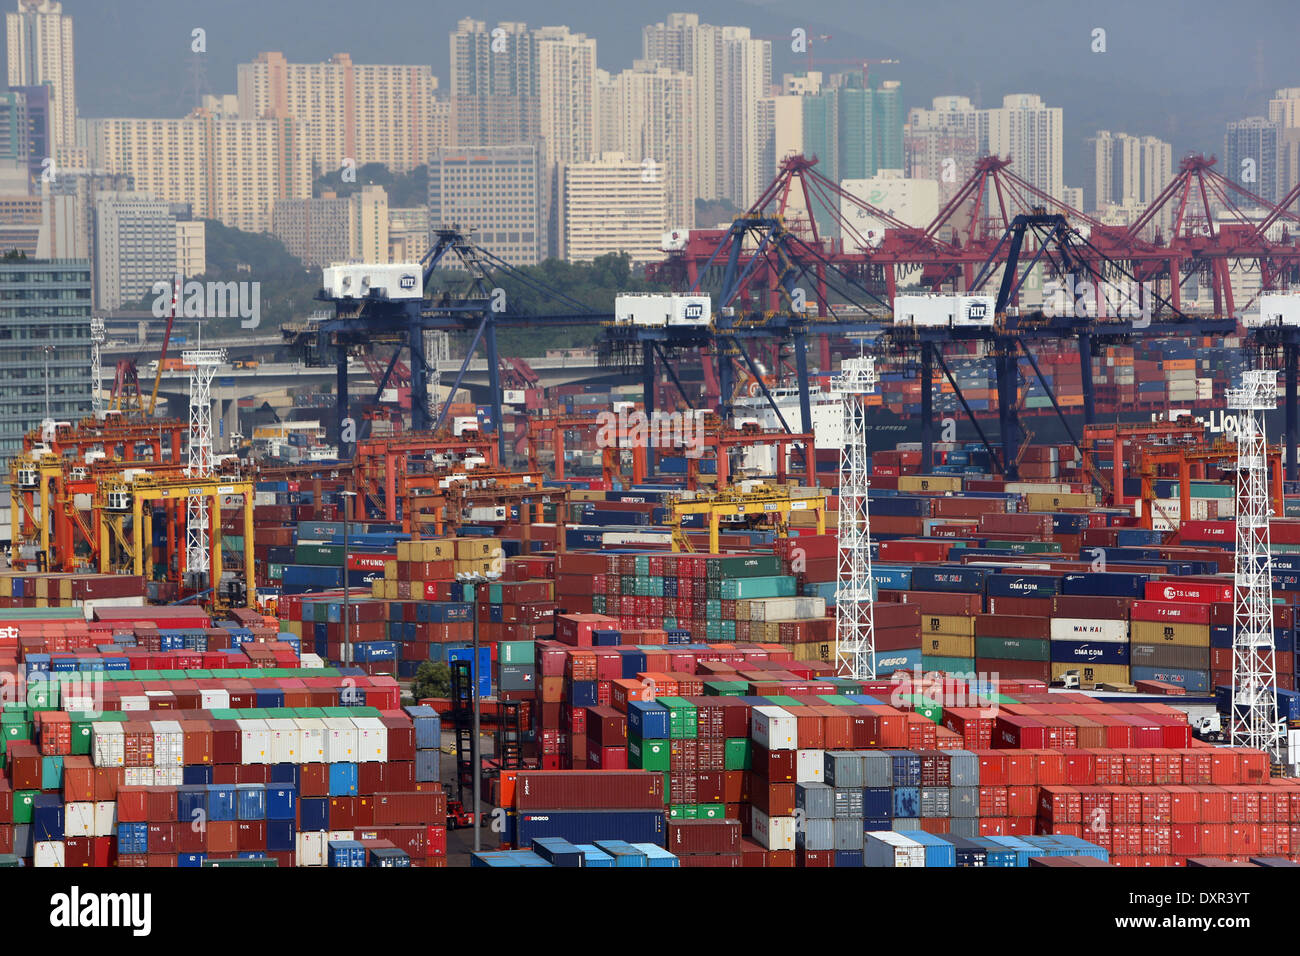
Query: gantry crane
761, 503
129, 550
1191, 462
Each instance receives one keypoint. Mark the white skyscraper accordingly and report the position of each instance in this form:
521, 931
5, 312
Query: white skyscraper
1030, 133
39, 44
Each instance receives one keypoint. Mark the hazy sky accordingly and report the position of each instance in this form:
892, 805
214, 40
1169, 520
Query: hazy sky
1177, 70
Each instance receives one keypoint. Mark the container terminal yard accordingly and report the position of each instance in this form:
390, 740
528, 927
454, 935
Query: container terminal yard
840, 539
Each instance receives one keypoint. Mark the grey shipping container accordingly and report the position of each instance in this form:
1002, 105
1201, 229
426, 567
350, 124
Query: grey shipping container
964, 768
935, 802
848, 833
816, 800
967, 827
848, 803
878, 770
843, 768
965, 801
428, 766
817, 835
1169, 655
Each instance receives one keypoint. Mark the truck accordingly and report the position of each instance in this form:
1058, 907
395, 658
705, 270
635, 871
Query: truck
1209, 728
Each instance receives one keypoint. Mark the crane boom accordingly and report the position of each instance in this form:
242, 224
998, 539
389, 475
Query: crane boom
167, 337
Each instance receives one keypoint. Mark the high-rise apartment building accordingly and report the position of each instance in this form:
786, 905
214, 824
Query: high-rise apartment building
39, 45
226, 169
366, 113
1030, 133
1284, 110
647, 113
733, 72
191, 246
606, 206
43, 303
25, 127
1250, 156
1129, 171
331, 228
408, 233
135, 246
494, 84
494, 193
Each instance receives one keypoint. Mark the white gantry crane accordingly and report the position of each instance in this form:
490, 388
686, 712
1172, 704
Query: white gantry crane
199, 464
854, 629
1254, 721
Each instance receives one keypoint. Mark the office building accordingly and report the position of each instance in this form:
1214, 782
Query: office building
135, 246
39, 45
408, 233
607, 205
230, 170
43, 303
494, 193
331, 228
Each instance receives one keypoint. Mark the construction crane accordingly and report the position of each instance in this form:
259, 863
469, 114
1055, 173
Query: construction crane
167, 337
855, 639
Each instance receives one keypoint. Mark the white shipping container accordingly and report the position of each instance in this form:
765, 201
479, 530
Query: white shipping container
48, 854
138, 777
810, 766
787, 608
884, 848
286, 741
311, 744
1088, 629
254, 741
168, 776
133, 702
215, 699
774, 833
105, 818
109, 748
168, 743
372, 740
78, 820
774, 728
340, 740
310, 849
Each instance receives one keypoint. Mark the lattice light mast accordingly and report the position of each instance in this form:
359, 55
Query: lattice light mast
97, 337
854, 624
203, 366
1254, 684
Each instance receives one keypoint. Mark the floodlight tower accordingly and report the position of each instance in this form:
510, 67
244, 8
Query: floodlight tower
203, 366
854, 629
1254, 684
97, 337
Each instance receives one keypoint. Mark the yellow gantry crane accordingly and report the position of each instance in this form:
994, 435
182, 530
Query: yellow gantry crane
31, 502
131, 549
766, 502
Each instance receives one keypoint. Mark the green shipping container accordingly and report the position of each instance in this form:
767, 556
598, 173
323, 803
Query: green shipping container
23, 801
515, 652
647, 754
740, 589
328, 555
949, 665
745, 566
736, 753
